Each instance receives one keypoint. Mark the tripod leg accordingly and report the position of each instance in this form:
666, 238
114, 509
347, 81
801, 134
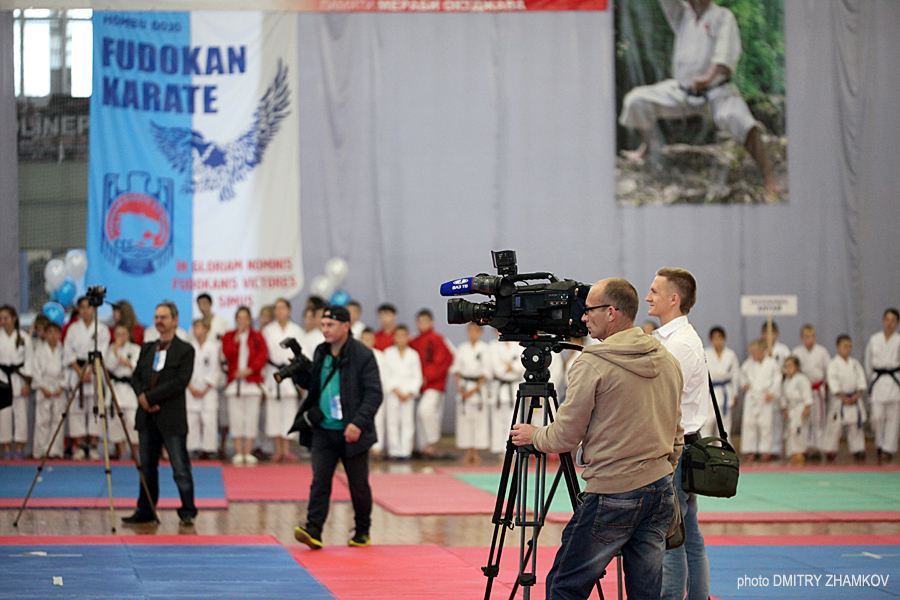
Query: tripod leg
40, 468
101, 405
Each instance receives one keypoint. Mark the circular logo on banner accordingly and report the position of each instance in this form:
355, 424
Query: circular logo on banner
137, 226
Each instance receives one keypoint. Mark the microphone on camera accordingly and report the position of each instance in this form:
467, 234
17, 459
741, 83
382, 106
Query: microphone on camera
457, 287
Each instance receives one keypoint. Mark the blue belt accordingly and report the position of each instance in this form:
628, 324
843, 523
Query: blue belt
723, 384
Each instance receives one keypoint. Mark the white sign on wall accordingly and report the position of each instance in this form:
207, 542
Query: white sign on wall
768, 306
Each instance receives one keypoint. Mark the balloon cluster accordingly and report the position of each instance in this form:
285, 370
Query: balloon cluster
59, 281
328, 285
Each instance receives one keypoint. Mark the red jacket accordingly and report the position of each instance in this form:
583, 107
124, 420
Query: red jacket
436, 359
259, 355
383, 339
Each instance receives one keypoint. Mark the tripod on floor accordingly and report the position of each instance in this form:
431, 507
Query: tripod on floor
536, 393
95, 358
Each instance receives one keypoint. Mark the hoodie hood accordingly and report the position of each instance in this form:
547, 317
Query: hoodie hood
632, 350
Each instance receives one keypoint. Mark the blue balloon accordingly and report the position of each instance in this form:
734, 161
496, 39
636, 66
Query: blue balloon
55, 312
340, 298
66, 292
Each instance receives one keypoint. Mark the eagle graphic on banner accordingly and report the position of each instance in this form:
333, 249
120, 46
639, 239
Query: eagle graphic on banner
212, 166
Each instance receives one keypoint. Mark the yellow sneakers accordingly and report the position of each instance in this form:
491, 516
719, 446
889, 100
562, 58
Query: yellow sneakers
305, 537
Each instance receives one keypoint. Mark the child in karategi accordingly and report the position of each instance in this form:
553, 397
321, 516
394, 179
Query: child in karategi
779, 352
814, 360
379, 449
50, 376
402, 383
472, 371
120, 359
761, 385
202, 393
508, 373
15, 364
796, 402
725, 372
846, 383
882, 363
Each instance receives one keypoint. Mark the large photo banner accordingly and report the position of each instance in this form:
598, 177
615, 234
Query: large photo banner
700, 97
194, 159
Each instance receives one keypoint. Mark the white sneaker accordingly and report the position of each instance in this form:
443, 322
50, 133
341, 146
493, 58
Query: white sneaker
93, 454
238, 459
78, 454
250, 460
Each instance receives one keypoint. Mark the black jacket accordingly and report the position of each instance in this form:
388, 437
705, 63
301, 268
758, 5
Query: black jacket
361, 393
169, 392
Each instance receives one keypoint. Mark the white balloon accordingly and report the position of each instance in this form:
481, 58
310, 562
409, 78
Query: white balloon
47, 287
54, 274
322, 286
76, 263
336, 268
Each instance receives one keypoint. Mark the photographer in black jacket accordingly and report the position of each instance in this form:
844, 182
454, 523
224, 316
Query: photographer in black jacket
337, 419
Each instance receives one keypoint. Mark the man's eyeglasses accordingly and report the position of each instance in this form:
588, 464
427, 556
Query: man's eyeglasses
588, 309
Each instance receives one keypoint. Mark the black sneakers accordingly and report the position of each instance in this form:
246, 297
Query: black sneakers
309, 536
360, 540
138, 518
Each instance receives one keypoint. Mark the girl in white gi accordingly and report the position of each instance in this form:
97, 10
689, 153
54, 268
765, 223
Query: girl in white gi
281, 398
203, 393
814, 360
846, 383
402, 382
760, 384
379, 449
508, 372
472, 370
120, 359
796, 401
50, 375
15, 362
725, 372
779, 352
79, 343
883, 372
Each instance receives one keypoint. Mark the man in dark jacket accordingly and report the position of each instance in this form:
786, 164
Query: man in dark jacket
162, 374
344, 395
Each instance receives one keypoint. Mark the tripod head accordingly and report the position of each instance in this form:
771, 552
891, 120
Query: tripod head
536, 356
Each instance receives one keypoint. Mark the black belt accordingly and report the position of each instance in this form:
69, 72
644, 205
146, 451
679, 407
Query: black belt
81, 361
892, 373
475, 379
118, 379
690, 438
11, 369
690, 90
278, 384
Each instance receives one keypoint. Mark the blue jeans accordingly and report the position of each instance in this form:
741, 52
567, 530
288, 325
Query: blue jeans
151, 442
686, 569
634, 523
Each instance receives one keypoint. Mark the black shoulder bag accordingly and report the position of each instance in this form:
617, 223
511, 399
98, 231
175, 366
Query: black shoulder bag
710, 466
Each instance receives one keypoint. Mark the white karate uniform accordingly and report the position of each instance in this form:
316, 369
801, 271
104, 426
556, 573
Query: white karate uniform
281, 398
203, 411
884, 353
357, 328
714, 38
402, 373
310, 340
848, 377
124, 392
14, 419
79, 343
795, 397
814, 364
756, 420
244, 397
381, 414
508, 373
471, 363
50, 371
725, 372
780, 352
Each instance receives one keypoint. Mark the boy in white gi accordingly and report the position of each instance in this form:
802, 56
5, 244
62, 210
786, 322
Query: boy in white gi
120, 359
814, 360
472, 371
508, 373
49, 378
761, 385
846, 383
796, 401
883, 373
79, 343
779, 352
15, 364
281, 398
379, 449
203, 394
403, 380
725, 372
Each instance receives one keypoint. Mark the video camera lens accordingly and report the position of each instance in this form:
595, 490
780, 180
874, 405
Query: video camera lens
460, 310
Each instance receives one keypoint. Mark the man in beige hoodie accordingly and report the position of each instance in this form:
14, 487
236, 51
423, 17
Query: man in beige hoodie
623, 406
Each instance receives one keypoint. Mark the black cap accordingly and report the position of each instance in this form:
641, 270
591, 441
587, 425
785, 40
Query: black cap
337, 312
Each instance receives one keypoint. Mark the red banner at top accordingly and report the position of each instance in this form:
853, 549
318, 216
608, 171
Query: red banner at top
454, 5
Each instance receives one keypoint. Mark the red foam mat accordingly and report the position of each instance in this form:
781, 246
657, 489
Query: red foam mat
428, 494
275, 483
49, 540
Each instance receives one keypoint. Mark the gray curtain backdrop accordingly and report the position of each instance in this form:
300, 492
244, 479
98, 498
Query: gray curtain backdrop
9, 176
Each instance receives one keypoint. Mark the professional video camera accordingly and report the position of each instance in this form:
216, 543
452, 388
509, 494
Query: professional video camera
95, 295
298, 364
519, 311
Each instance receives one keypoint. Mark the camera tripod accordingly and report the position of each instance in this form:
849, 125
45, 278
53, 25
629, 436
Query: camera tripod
95, 358
535, 393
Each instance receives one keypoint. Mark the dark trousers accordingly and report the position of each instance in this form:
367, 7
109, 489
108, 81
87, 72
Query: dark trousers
327, 448
151, 443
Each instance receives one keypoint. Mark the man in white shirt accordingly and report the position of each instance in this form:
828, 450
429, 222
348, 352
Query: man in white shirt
814, 360
672, 295
882, 364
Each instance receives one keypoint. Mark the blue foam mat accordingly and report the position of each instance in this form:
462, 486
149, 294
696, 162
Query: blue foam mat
89, 481
772, 572
150, 571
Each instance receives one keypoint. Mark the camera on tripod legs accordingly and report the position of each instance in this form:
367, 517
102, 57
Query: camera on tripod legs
298, 365
95, 295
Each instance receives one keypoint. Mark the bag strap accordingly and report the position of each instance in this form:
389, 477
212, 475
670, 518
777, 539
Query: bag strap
712, 394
